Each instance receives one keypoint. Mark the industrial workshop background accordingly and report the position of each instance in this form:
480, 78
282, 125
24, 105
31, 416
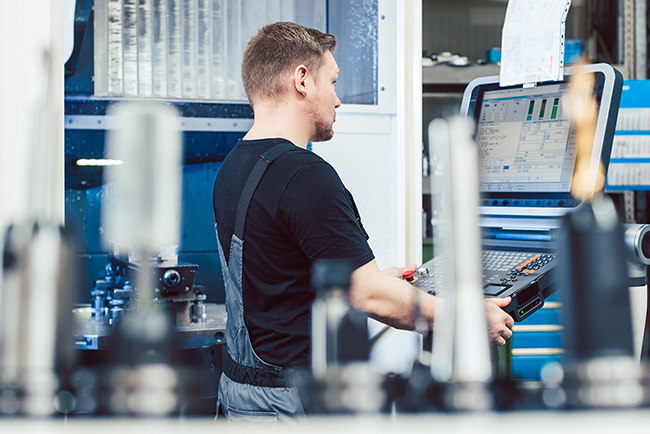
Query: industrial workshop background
402, 64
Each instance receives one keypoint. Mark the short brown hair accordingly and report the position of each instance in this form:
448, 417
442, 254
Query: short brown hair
275, 49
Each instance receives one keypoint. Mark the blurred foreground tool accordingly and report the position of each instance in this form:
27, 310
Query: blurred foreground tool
341, 379
599, 368
143, 213
39, 277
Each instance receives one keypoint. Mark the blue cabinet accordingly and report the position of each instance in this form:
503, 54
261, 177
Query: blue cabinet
537, 341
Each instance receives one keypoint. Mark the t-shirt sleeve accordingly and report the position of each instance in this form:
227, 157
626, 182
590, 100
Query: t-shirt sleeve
319, 213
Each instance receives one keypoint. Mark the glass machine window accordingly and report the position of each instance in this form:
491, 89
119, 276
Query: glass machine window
192, 49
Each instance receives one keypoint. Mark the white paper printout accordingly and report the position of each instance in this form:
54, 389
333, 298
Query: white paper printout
532, 41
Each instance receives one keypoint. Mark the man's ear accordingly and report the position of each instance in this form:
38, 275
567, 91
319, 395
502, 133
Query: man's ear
300, 79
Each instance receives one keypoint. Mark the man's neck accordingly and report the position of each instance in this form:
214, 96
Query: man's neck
278, 120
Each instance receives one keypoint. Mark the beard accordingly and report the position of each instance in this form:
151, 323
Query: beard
324, 132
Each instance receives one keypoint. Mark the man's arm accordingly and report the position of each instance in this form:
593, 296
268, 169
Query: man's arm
391, 300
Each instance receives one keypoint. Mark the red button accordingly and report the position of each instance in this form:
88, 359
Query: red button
408, 274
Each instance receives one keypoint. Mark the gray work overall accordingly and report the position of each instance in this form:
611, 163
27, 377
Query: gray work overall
250, 389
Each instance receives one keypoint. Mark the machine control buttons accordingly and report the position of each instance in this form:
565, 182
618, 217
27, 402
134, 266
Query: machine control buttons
501, 268
409, 277
514, 264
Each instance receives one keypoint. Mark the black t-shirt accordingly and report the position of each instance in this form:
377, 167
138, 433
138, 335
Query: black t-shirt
299, 213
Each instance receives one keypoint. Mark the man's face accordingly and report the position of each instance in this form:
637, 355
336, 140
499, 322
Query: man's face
325, 101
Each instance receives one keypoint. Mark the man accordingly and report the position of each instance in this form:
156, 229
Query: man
291, 209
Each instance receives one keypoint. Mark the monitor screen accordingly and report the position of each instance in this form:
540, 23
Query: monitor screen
524, 141
526, 145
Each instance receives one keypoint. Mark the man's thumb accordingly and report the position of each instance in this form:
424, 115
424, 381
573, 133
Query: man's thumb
502, 302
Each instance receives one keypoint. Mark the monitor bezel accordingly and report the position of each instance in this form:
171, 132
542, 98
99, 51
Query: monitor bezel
607, 92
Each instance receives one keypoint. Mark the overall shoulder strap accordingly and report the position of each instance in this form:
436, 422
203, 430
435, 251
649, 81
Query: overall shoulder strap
253, 181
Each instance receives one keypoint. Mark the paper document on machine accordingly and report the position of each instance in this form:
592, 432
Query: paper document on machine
532, 41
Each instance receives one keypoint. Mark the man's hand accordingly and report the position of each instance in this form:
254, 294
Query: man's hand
390, 300
398, 271
498, 321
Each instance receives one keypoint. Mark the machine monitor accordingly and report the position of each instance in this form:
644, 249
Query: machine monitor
527, 145
527, 153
